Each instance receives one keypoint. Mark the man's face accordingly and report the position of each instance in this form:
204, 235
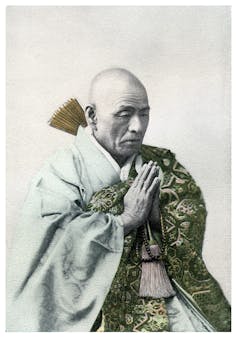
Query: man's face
122, 119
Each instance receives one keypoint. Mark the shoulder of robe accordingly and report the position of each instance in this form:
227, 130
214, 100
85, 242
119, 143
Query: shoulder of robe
61, 174
167, 161
163, 156
65, 164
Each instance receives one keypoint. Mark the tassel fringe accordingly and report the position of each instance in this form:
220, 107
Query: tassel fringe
154, 282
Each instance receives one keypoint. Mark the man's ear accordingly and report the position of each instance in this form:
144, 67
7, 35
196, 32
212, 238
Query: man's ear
91, 116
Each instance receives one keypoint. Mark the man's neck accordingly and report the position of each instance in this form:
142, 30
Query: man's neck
121, 166
121, 161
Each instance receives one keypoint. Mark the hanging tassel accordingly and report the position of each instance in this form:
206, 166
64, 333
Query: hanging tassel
154, 282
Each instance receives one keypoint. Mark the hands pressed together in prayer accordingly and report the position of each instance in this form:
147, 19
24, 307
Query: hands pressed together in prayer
141, 202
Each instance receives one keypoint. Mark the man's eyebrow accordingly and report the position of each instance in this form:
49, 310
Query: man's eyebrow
126, 106
131, 108
145, 108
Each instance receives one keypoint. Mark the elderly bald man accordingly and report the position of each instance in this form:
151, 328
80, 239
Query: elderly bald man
98, 232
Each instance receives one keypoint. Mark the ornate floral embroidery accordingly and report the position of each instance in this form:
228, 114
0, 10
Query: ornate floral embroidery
184, 214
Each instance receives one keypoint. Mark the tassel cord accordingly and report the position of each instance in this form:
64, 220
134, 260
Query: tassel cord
143, 239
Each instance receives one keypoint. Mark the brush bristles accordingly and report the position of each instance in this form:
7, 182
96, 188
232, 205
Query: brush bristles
69, 117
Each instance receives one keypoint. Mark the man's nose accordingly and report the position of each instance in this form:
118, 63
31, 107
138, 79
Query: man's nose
135, 124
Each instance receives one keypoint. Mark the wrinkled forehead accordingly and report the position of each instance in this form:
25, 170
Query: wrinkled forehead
116, 93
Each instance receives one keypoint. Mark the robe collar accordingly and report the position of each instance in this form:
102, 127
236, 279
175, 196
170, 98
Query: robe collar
88, 145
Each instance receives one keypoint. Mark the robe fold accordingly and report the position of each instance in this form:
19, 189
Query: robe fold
70, 258
64, 258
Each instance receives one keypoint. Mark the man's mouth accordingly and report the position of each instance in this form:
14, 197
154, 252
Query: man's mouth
132, 141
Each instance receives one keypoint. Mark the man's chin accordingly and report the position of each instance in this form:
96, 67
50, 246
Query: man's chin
130, 151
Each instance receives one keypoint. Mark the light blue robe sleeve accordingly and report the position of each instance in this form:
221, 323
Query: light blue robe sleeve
63, 263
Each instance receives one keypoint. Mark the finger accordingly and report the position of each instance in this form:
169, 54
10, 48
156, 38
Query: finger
138, 177
152, 174
158, 188
151, 190
156, 196
143, 173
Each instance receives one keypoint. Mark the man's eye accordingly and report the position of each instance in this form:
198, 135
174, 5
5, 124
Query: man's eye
144, 113
124, 114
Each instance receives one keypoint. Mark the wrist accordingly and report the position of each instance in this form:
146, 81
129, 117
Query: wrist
126, 222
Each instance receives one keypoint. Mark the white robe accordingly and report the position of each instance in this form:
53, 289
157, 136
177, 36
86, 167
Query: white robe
64, 259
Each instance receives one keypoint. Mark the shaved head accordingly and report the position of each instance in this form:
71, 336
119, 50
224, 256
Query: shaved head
118, 112
112, 81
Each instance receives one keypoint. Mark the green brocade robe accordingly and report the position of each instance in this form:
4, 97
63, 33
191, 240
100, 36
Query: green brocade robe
67, 262
184, 214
